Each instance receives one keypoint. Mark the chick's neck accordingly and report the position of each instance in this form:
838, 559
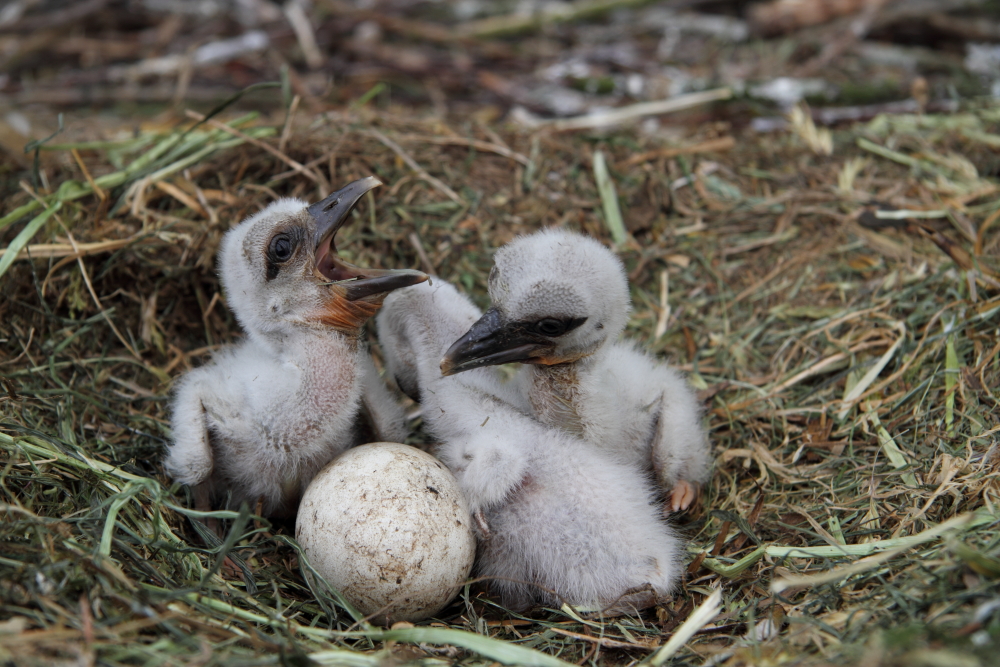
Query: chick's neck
554, 393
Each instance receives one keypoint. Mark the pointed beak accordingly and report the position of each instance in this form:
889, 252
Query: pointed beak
355, 282
491, 341
331, 213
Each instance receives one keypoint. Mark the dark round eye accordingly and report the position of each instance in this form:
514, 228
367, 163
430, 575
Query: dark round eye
550, 327
281, 248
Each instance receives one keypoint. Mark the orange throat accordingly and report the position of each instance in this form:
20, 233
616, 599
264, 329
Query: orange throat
347, 316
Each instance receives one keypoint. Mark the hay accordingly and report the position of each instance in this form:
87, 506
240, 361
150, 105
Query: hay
847, 354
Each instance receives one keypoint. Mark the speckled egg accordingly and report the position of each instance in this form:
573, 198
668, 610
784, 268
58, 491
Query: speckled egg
388, 527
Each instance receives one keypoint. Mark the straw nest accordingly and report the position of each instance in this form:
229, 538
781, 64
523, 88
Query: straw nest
835, 298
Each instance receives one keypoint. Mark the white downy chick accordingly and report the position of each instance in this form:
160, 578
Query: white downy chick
560, 302
558, 520
408, 333
266, 414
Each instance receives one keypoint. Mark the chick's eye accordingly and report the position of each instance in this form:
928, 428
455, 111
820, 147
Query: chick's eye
550, 327
281, 248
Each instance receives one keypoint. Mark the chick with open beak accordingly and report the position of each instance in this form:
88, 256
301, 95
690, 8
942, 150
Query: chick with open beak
259, 421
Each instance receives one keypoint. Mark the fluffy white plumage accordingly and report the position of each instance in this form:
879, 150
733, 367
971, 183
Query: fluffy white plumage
560, 302
559, 521
266, 414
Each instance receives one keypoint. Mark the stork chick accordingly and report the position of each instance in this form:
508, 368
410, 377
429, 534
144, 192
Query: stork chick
560, 301
261, 420
557, 521
416, 325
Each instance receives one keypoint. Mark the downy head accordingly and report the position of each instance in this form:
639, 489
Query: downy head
557, 297
281, 271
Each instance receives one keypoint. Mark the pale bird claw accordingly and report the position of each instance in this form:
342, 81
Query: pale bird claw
683, 494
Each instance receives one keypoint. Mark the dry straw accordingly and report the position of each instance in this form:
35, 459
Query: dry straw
847, 355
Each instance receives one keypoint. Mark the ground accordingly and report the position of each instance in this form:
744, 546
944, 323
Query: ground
833, 297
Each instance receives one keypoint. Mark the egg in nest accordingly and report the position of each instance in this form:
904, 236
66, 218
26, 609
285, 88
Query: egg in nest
387, 526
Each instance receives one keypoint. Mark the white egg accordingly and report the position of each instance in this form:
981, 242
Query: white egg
387, 526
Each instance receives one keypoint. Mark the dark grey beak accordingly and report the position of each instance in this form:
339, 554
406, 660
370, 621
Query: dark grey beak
354, 281
331, 213
492, 341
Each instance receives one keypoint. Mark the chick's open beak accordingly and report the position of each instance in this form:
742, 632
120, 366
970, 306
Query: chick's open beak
491, 341
355, 282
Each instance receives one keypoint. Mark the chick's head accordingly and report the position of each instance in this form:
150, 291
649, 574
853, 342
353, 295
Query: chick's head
557, 297
281, 271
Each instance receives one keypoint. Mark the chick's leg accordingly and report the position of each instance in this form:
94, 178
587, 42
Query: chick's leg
680, 449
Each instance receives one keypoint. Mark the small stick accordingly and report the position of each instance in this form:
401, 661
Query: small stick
720, 541
425, 261
304, 33
412, 164
664, 316
711, 146
55, 250
286, 132
639, 110
484, 146
181, 196
93, 294
86, 174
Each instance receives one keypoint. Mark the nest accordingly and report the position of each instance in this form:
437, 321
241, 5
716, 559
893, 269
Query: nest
834, 297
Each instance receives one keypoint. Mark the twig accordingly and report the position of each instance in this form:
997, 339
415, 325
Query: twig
710, 146
473, 143
698, 619
425, 261
286, 131
603, 641
53, 250
181, 196
412, 164
303, 29
639, 110
822, 365
664, 314
86, 174
514, 23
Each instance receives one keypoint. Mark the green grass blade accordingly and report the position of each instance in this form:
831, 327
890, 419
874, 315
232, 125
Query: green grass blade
730, 571
19, 213
892, 450
960, 522
503, 652
25, 235
609, 200
950, 381
973, 520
